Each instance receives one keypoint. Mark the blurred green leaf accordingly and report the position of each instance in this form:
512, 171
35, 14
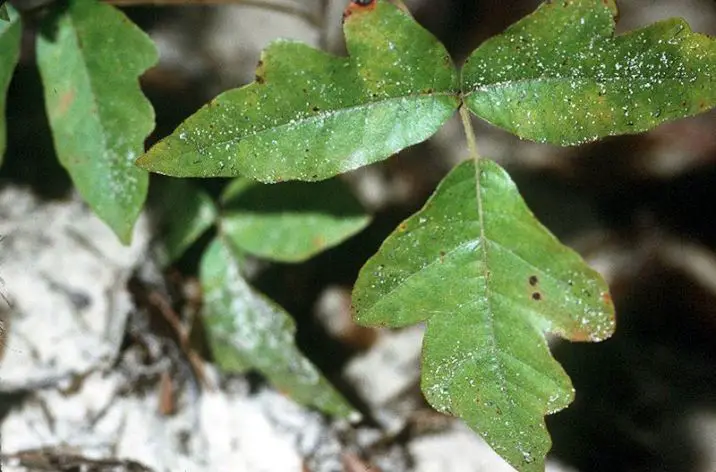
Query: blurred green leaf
561, 76
4, 15
184, 213
488, 280
10, 34
247, 330
310, 115
90, 56
290, 222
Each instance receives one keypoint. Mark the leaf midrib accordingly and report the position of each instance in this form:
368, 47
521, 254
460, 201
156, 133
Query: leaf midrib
515, 83
320, 116
85, 71
483, 240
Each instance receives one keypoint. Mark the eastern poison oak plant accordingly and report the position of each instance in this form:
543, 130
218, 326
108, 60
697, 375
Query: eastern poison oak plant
474, 265
486, 278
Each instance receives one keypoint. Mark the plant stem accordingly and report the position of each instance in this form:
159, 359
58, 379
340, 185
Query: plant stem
469, 133
267, 4
475, 156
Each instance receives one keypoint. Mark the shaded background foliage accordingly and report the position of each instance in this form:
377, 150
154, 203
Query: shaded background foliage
637, 206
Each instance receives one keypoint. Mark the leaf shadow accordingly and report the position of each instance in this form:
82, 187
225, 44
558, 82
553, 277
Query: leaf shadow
328, 197
48, 14
30, 158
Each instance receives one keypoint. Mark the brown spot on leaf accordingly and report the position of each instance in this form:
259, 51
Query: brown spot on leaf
319, 241
402, 226
536, 296
607, 298
65, 102
358, 6
580, 336
259, 79
442, 256
533, 280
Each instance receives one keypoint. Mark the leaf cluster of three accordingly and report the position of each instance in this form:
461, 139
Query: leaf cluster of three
474, 265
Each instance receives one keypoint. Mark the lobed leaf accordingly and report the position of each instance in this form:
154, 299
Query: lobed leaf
185, 212
310, 115
90, 56
290, 222
561, 76
247, 330
10, 34
488, 280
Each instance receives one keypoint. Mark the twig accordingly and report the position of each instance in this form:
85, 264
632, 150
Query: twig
156, 299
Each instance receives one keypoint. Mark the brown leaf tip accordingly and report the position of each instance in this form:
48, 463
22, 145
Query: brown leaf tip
358, 5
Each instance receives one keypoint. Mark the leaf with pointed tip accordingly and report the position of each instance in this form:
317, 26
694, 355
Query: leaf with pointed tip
4, 14
561, 76
10, 33
311, 115
184, 213
488, 280
247, 330
290, 222
90, 56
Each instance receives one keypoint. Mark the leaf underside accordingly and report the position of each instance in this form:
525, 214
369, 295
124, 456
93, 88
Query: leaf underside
488, 280
561, 76
10, 33
247, 330
290, 222
310, 116
90, 55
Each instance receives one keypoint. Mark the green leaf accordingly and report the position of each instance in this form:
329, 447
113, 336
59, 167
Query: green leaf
311, 115
4, 15
290, 222
184, 213
561, 76
488, 280
90, 55
247, 330
10, 34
